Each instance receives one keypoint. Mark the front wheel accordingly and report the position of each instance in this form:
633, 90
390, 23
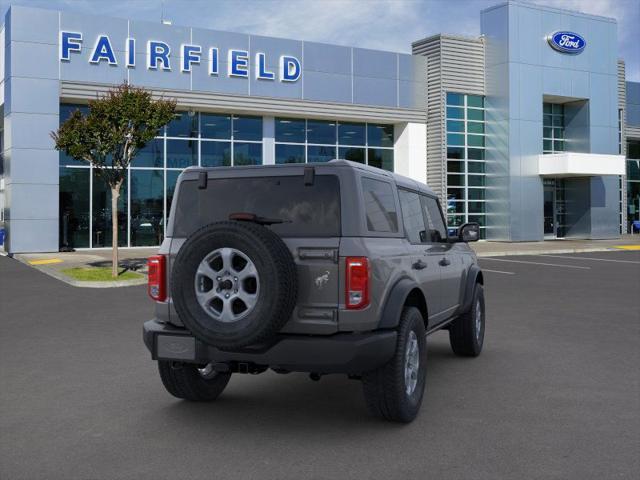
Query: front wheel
466, 333
395, 390
191, 382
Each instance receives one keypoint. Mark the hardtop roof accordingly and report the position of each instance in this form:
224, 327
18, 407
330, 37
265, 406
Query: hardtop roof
400, 180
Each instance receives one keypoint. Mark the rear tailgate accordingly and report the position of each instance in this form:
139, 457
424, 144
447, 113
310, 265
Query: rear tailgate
318, 285
311, 228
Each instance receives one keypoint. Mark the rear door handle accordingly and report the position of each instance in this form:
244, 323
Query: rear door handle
444, 262
419, 265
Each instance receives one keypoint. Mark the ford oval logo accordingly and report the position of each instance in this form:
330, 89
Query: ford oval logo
567, 42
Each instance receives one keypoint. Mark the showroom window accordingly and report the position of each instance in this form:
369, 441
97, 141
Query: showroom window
307, 140
621, 178
465, 131
191, 138
552, 128
633, 182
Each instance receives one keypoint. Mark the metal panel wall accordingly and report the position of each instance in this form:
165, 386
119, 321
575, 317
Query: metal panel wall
329, 73
622, 112
521, 69
31, 173
454, 64
336, 82
78, 91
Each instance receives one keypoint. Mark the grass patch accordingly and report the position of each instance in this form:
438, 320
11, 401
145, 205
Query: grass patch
98, 274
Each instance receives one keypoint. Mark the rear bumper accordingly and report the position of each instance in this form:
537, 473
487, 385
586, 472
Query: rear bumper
349, 353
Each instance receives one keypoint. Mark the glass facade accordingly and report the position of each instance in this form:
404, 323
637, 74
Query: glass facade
203, 139
633, 183
306, 140
465, 130
192, 138
552, 128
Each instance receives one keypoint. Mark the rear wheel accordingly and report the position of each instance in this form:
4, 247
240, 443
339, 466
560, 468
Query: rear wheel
394, 391
466, 333
191, 382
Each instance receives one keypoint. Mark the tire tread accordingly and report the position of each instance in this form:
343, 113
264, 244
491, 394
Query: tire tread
384, 388
461, 332
185, 382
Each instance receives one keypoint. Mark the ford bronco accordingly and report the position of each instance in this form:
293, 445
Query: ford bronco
322, 268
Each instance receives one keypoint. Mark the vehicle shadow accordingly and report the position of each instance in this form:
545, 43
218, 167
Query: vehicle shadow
293, 404
134, 264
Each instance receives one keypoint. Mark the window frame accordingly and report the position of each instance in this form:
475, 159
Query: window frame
424, 198
399, 231
464, 107
169, 173
336, 145
553, 115
424, 220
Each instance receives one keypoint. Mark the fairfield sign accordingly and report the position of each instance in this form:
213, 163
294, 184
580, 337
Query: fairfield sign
159, 56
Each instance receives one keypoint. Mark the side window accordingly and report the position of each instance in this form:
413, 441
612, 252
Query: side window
437, 229
412, 216
380, 206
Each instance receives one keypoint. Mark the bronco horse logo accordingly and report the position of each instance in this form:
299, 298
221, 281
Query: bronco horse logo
322, 280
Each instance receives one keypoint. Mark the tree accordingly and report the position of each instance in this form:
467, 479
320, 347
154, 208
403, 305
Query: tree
117, 126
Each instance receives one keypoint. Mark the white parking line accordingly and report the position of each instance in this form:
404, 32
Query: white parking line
534, 263
591, 258
497, 271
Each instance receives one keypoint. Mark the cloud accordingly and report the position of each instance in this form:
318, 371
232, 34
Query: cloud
366, 23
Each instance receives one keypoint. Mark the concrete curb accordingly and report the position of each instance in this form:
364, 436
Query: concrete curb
81, 284
77, 283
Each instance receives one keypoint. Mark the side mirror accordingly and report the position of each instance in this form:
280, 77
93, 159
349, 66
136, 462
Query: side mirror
469, 232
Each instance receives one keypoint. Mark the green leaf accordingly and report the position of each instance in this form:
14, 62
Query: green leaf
117, 126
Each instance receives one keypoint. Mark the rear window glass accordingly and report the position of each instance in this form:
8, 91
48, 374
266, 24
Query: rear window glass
306, 211
380, 206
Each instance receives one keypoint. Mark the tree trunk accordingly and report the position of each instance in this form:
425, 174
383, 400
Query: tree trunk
115, 193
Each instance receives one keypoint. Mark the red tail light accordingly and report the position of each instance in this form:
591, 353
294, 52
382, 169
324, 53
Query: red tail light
357, 287
157, 283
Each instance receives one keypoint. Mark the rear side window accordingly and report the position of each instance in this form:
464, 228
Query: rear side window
412, 217
380, 206
437, 230
306, 210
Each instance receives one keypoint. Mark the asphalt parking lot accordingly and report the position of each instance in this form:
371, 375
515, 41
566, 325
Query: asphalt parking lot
555, 394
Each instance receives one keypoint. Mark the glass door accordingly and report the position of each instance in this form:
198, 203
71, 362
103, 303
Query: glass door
555, 208
549, 208
560, 209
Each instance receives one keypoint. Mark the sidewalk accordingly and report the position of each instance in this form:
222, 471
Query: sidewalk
134, 259
499, 249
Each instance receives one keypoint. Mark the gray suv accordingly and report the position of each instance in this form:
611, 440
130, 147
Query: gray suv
322, 268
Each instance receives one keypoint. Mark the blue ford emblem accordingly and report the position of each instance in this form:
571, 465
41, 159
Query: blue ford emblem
567, 42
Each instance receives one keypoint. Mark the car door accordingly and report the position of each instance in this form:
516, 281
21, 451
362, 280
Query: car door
423, 265
447, 257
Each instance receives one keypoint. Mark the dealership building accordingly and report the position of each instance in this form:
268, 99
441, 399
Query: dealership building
529, 129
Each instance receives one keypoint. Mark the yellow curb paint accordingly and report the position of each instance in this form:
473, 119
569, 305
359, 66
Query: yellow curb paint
628, 247
47, 261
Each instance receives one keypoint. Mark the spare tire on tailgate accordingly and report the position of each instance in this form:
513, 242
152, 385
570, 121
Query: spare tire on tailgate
234, 284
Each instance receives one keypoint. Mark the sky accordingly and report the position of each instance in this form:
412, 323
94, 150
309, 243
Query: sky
378, 24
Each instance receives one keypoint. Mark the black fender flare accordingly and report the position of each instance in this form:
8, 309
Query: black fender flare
395, 303
474, 275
